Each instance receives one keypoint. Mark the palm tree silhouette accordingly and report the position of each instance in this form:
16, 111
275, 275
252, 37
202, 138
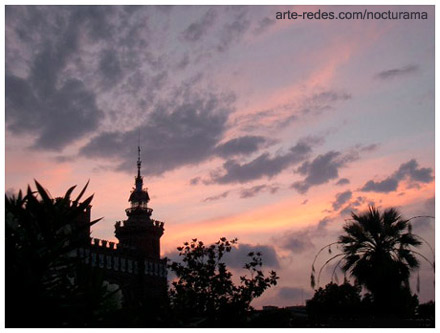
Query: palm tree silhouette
379, 252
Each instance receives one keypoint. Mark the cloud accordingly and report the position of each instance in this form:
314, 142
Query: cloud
353, 206
322, 101
302, 240
341, 198
293, 294
110, 67
216, 197
243, 145
57, 117
296, 241
281, 115
239, 255
409, 171
424, 223
342, 181
176, 133
263, 25
253, 191
264, 165
412, 171
195, 31
233, 31
195, 180
62, 60
322, 169
384, 186
396, 72
57, 109
64, 158
323, 223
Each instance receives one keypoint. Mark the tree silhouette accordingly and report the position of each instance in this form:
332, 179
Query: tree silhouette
379, 251
335, 302
44, 279
204, 293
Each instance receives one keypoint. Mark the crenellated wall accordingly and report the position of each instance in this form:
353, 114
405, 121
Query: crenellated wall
112, 256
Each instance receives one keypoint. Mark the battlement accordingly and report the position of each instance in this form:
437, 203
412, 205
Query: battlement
156, 223
104, 243
111, 256
133, 210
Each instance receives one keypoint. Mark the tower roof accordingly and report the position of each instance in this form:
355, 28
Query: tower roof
139, 194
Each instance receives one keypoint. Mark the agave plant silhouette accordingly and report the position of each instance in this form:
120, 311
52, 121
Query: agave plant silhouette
40, 234
378, 250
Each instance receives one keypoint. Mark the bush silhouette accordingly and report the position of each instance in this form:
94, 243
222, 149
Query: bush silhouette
204, 293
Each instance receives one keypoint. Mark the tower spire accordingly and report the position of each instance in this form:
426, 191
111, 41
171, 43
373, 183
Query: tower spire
139, 180
139, 162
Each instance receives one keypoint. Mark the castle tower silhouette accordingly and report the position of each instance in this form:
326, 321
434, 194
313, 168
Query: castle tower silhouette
140, 231
134, 263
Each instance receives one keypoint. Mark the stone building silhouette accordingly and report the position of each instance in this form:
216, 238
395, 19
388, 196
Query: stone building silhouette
134, 263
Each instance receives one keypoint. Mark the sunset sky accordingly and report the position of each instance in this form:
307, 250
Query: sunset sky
271, 131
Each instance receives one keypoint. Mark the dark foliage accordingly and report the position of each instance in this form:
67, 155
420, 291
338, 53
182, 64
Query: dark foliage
379, 252
426, 310
272, 318
204, 294
44, 279
337, 302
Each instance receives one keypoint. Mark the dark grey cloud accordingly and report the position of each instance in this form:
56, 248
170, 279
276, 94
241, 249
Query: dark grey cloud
216, 197
253, 191
384, 186
264, 165
341, 198
239, 255
322, 169
302, 240
427, 209
176, 133
56, 80
195, 31
367, 148
353, 205
296, 241
284, 114
294, 294
57, 117
409, 171
183, 63
64, 158
110, 67
323, 223
58, 110
396, 72
348, 210
233, 31
243, 145
412, 171
263, 25
195, 180
322, 101
107, 48
342, 181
